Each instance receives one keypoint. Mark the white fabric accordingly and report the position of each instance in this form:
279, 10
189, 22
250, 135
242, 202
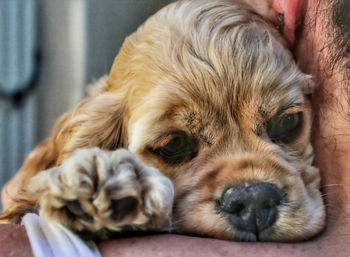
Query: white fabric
50, 239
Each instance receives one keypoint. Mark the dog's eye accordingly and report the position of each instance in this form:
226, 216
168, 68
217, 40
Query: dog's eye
178, 148
284, 128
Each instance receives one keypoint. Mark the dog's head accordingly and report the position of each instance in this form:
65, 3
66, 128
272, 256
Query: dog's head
206, 92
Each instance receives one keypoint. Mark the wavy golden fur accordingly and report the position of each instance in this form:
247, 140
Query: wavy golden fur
214, 70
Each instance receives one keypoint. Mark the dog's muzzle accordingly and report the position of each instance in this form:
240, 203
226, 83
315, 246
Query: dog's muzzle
252, 207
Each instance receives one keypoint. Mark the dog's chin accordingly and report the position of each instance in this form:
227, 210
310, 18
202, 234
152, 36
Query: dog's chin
233, 234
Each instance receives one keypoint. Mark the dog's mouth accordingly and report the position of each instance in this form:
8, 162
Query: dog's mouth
247, 236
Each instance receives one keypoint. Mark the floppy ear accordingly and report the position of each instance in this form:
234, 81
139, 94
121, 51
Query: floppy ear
96, 122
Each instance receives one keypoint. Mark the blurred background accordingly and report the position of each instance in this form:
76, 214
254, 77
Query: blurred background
49, 51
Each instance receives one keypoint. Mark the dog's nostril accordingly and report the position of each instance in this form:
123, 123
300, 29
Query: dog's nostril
252, 208
236, 208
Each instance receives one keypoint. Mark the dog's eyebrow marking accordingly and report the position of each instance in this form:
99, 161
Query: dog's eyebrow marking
193, 123
205, 139
190, 118
263, 112
196, 125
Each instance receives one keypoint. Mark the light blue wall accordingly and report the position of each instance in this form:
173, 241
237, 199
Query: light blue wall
108, 23
17, 66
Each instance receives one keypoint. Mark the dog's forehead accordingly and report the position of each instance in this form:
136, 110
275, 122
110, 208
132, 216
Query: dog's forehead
217, 55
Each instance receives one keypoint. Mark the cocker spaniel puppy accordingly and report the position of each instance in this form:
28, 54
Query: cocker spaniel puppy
215, 117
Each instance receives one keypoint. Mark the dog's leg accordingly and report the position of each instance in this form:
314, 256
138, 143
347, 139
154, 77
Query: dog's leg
95, 190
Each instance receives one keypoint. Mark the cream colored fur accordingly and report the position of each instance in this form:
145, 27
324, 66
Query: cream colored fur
212, 68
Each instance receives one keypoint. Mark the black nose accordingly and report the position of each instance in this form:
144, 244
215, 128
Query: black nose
252, 208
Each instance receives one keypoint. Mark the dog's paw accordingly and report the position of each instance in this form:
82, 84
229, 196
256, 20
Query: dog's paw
96, 189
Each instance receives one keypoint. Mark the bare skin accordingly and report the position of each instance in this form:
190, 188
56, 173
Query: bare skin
332, 145
14, 241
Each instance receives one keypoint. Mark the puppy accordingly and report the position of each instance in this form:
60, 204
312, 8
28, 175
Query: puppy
215, 117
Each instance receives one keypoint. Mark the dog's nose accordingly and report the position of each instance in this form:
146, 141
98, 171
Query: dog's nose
252, 208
